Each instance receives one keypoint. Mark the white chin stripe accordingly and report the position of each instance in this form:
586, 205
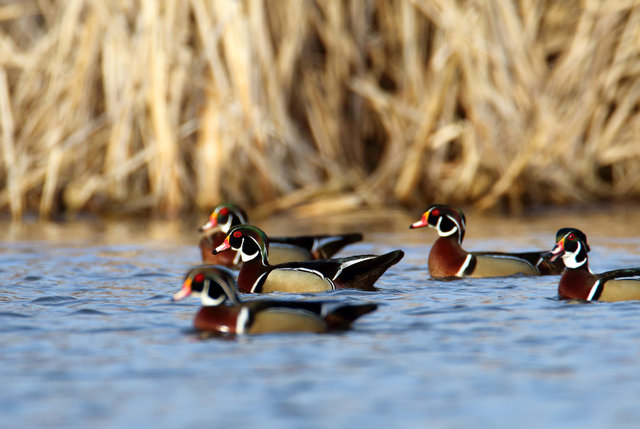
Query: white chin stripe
569, 258
205, 299
227, 226
247, 258
236, 258
442, 233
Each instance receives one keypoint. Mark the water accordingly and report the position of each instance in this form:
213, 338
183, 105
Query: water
90, 337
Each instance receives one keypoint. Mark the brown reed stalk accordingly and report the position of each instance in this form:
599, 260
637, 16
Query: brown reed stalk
9, 150
321, 106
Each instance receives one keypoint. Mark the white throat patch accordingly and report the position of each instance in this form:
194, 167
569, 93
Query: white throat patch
227, 226
569, 258
452, 231
246, 257
205, 299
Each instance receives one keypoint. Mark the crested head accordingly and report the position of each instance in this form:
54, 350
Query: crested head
213, 284
251, 242
572, 246
448, 221
224, 217
563, 232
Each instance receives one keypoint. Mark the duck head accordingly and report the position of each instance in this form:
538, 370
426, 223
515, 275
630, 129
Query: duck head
213, 284
224, 217
572, 246
251, 242
448, 221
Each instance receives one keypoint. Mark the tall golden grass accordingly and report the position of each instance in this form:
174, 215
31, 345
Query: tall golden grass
134, 106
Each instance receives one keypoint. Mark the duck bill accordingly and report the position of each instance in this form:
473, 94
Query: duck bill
221, 248
557, 251
184, 292
211, 223
422, 222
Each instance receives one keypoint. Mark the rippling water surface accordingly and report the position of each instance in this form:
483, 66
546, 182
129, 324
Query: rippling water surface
90, 337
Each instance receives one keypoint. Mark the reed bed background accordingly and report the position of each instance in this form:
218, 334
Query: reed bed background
318, 106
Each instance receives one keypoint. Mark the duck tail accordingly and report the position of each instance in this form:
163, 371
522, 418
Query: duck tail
342, 317
363, 273
326, 247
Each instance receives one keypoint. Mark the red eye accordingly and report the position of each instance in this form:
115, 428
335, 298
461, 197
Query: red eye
237, 234
224, 211
198, 278
571, 236
435, 212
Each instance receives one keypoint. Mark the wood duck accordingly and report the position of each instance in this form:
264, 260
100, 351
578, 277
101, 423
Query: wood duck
283, 249
448, 259
577, 280
258, 275
223, 312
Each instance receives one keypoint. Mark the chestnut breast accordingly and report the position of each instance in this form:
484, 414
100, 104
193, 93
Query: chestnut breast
217, 319
576, 284
445, 258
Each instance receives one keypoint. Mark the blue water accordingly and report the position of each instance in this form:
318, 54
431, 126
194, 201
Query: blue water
91, 339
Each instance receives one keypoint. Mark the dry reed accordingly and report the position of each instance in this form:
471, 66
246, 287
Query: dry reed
319, 105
